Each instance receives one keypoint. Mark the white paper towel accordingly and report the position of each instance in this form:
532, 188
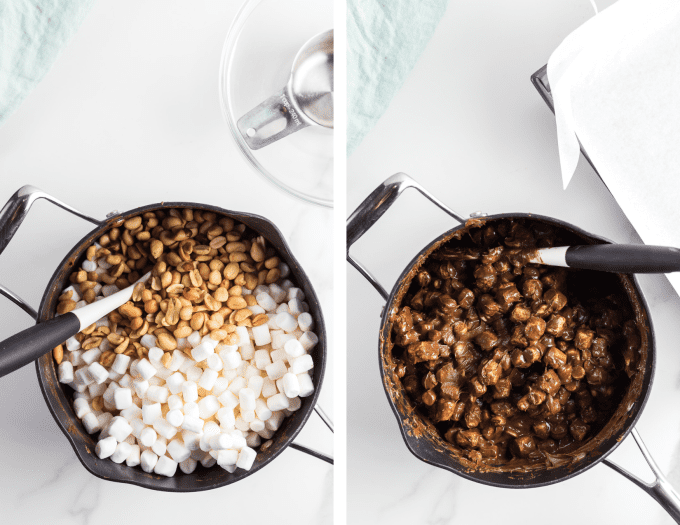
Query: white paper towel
615, 82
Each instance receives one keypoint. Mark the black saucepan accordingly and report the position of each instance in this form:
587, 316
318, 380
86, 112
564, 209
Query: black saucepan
419, 436
59, 398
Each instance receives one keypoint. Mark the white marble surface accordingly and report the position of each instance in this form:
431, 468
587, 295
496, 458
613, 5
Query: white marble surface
130, 115
469, 126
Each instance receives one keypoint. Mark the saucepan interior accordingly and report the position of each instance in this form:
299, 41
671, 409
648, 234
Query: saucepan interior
422, 438
59, 397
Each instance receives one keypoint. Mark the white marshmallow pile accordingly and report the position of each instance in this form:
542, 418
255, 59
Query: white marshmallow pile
213, 404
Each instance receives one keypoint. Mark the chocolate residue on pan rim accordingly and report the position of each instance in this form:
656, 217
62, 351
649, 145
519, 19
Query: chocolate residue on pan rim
416, 426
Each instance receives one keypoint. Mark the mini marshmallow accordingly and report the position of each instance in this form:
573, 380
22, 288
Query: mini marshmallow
231, 360
65, 372
178, 451
255, 384
247, 399
191, 439
277, 370
215, 362
72, 344
132, 412
236, 385
164, 428
133, 458
246, 458
188, 465
308, 340
262, 359
266, 301
175, 418
211, 429
148, 341
109, 289
248, 416
207, 380
243, 336
277, 293
241, 424
202, 351
294, 403
281, 309
305, 321
81, 407
279, 355
208, 406
151, 412
148, 436
106, 447
126, 381
262, 410
155, 355
145, 369
261, 335
221, 441
247, 352
208, 461
75, 295
140, 387
277, 402
158, 394
159, 446
266, 433
306, 384
122, 398
75, 358
91, 355
293, 348
228, 399
148, 461
295, 307
120, 363
174, 383
189, 391
119, 428
193, 373
122, 452
190, 409
257, 425
239, 440
226, 458
165, 467
268, 387
226, 417
280, 338
296, 293
291, 385
175, 402
302, 364
192, 423
98, 373
220, 386
178, 359
194, 339
274, 422
253, 440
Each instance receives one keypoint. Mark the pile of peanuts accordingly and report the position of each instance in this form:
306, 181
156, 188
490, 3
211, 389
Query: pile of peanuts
207, 359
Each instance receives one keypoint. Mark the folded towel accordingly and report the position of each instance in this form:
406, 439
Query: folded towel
31, 36
384, 42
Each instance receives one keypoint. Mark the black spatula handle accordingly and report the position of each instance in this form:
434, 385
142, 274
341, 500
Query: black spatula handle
29, 345
624, 258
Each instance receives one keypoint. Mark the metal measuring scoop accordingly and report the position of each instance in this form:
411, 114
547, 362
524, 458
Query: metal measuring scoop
306, 100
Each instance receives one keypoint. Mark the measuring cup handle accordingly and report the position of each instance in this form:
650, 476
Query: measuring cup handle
315, 453
374, 206
258, 128
13, 214
660, 489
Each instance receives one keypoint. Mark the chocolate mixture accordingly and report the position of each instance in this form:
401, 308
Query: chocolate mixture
511, 360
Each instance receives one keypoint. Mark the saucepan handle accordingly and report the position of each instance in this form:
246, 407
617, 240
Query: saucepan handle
11, 217
374, 206
319, 455
660, 489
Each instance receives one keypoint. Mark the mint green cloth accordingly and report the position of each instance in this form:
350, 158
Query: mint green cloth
384, 41
31, 36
